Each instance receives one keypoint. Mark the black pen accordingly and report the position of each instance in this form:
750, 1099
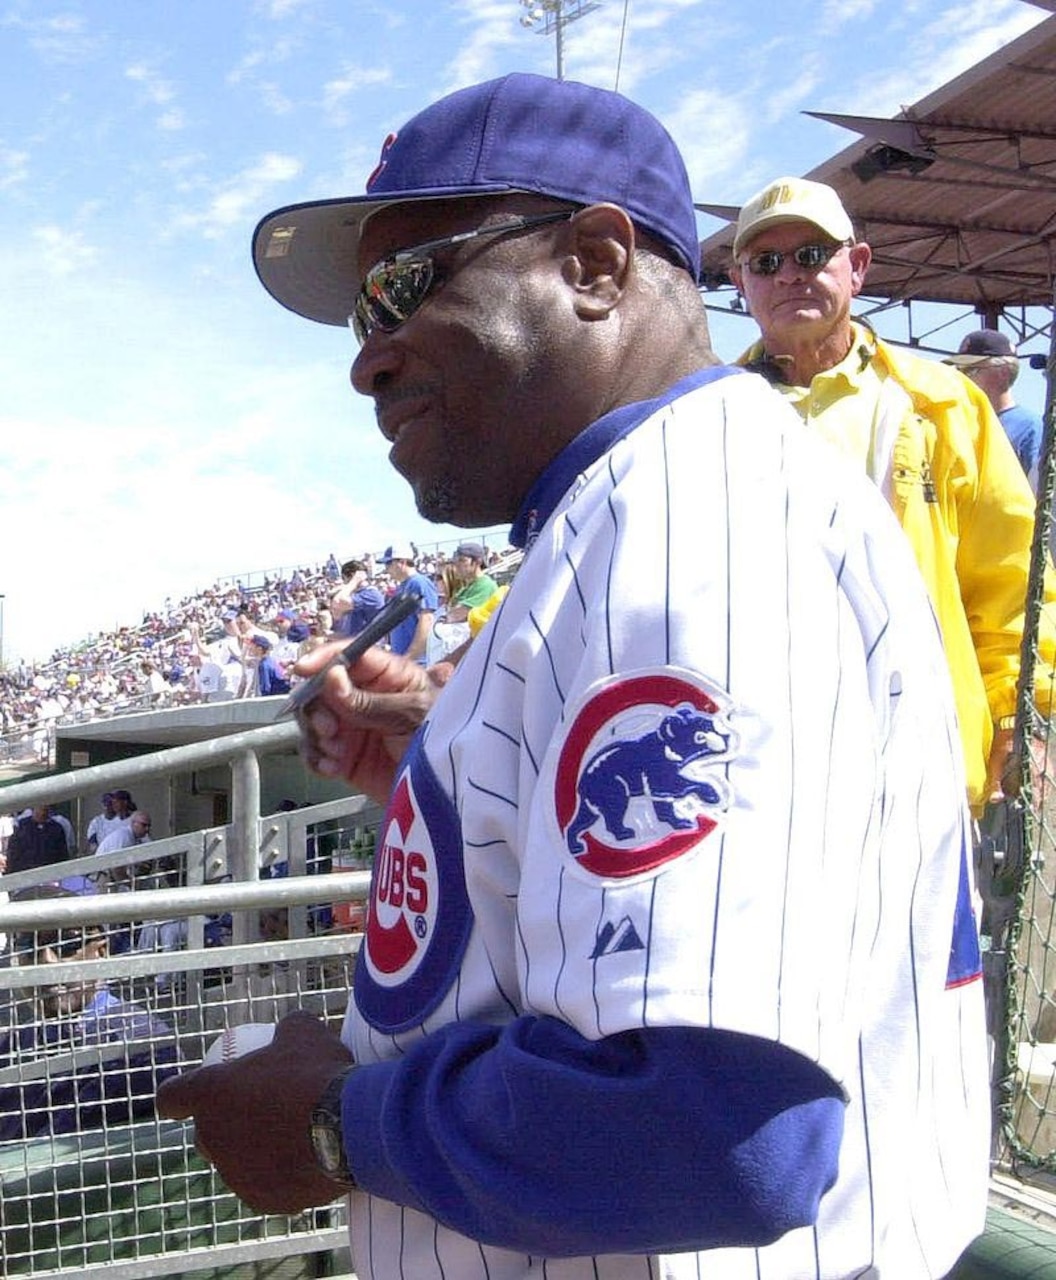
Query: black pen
389, 616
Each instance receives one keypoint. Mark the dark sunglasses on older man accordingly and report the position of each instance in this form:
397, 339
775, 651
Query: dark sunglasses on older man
397, 286
811, 257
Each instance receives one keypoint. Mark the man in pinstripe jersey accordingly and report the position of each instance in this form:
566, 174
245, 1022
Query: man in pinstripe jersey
670, 968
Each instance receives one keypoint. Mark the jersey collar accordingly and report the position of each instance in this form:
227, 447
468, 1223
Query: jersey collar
558, 477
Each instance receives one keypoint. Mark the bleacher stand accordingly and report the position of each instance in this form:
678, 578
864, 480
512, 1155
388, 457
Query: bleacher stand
160, 663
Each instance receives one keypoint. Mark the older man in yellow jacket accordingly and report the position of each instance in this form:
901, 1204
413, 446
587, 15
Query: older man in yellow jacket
924, 433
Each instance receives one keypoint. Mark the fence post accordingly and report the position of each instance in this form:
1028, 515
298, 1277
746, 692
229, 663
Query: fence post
245, 832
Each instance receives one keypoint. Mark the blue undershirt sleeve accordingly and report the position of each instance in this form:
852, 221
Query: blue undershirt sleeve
532, 1138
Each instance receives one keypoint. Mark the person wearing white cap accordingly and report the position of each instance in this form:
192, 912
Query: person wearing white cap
410, 636
989, 359
928, 438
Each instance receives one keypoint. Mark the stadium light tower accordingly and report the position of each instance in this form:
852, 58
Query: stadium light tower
555, 15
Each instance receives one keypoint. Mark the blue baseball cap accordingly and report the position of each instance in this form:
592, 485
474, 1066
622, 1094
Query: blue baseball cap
553, 138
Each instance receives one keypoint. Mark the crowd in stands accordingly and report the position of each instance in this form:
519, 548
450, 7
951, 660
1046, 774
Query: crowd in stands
230, 640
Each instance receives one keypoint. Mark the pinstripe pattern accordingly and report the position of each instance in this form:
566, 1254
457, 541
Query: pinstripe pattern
715, 543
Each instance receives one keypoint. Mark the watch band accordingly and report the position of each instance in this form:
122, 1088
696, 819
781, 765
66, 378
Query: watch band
326, 1135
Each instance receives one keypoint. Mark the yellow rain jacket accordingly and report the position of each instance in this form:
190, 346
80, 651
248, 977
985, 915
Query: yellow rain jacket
957, 489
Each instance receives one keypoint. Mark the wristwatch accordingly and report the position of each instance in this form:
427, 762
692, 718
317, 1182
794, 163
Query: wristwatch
325, 1132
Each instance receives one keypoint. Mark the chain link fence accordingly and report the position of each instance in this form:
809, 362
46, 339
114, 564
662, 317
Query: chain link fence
102, 995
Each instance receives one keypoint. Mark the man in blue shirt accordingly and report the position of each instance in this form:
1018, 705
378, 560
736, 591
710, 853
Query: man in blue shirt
987, 357
410, 636
270, 677
356, 601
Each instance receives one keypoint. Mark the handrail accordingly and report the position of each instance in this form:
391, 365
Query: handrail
115, 908
62, 786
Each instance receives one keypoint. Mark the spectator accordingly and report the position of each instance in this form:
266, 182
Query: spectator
124, 807
411, 636
103, 823
38, 841
67, 831
928, 438
270, 678
226, 655
477, 587
357, 601
284, 649
3, 894
988, 358
157, 685
135, 831
77, 1014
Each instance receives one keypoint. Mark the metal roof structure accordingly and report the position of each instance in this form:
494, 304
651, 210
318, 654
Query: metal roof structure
956, 195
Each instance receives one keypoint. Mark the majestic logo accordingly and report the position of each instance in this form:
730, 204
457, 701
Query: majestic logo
637, 782
613, 939
419, 919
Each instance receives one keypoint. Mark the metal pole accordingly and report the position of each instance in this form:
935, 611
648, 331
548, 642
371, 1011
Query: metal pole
559, 41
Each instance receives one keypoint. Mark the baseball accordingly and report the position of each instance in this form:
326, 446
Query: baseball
236, 1041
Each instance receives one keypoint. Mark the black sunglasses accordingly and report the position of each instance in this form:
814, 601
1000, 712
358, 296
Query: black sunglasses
811, 257
396, 287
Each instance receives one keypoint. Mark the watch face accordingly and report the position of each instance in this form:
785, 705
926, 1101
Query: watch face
325, 1133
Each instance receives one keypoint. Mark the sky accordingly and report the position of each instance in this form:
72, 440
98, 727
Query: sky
163, 422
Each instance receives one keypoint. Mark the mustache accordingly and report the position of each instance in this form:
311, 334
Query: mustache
386, 397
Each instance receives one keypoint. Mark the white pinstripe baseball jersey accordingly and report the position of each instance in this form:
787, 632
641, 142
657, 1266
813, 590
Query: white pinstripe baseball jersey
698, 782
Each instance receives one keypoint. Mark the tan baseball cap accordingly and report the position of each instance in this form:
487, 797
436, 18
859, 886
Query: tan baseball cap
793, 200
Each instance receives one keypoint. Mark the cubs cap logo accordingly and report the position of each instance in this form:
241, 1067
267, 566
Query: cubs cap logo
383, 160
640, 776
419, 920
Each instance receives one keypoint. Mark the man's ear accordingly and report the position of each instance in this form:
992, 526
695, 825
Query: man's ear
861, 256
600, 258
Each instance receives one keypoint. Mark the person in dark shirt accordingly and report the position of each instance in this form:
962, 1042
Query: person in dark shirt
57, 1019
38, 841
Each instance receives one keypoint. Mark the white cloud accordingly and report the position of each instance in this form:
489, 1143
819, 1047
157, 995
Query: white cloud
279, 9
63, 252
273, 97
234, 204
937, 51
837, 13
262, 55
14, 167
338, 91
711, 129
493, 28
158, 91
59, 39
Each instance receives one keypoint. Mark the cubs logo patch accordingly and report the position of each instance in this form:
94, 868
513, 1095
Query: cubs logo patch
419, 921
383, 160
639, 777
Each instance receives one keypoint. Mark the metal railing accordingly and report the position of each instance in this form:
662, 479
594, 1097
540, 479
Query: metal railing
252, 921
